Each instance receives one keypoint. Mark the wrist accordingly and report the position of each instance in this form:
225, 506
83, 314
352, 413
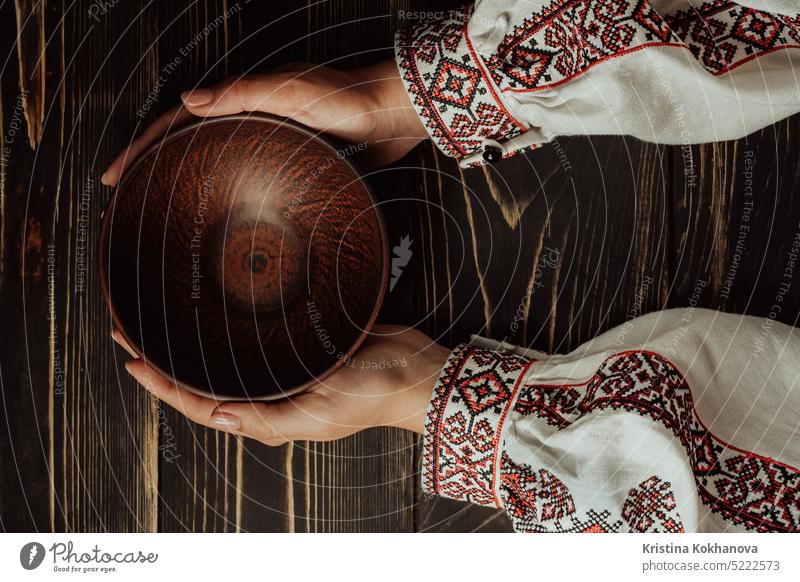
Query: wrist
414, 389
389, 97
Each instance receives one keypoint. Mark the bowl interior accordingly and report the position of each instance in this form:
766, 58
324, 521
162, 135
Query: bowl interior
243, 257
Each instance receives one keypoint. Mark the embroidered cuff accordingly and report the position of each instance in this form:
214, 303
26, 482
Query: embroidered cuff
464, 423
451, 88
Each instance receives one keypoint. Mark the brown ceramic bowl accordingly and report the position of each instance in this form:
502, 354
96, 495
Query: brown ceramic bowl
244, 257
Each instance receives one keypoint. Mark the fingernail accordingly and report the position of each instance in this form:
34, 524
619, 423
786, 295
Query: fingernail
225, 421
196, 97
104, 179
129, 366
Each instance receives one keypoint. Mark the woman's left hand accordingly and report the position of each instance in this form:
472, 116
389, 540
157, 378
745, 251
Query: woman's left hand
368, 106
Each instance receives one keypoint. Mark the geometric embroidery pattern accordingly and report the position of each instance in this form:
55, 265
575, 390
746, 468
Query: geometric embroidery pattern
451, 92
479, 387
464, 422
651, 508
567, 37
457, 92
538, 502
756, 492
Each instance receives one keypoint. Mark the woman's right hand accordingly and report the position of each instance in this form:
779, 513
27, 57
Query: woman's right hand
368, 105
388, 382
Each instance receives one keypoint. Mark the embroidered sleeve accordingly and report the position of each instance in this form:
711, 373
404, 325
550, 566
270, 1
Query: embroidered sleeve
612, 441
464, 424
449, 85
499, 77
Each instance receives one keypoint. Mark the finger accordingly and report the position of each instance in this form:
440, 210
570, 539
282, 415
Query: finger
265, 93
175, 117
271, 423
116, 335
194, 407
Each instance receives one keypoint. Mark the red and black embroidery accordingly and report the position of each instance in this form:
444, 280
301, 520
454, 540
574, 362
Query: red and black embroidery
529, 494
464, 422
651, 508
749, 490
568, 37
538, 502
457, 92
723, 35
449, 87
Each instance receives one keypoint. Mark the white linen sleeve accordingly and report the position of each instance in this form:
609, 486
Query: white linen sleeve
680, 420
501, 76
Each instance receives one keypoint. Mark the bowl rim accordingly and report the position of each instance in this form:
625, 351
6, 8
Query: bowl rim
105, 226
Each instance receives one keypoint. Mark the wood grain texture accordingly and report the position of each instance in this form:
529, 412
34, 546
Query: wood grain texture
82, 435
545, 250
32, 60
736, 224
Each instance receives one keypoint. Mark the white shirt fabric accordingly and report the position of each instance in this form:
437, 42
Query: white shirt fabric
681, 420
515, 74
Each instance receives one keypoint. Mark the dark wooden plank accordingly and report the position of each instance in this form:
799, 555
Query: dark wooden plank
25, 491
85, 459
26, 230
737, 225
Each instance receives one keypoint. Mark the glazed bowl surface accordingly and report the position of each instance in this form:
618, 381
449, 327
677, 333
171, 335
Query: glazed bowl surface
244, 257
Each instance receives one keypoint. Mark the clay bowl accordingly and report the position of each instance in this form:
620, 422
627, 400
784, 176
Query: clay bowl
244, 257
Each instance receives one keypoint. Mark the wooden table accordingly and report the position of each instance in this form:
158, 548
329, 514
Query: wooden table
546, 250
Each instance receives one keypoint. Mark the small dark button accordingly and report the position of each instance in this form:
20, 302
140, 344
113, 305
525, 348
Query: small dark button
492, 154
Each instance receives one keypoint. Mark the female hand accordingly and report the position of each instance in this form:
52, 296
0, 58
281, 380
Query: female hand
367, 105
388, 382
